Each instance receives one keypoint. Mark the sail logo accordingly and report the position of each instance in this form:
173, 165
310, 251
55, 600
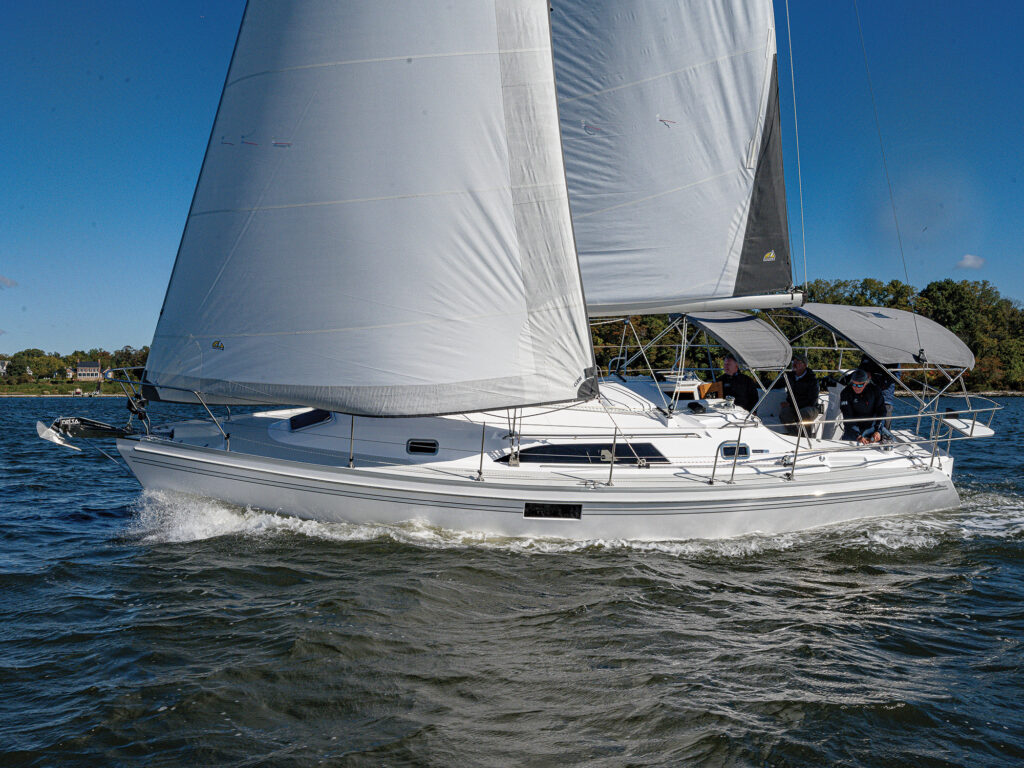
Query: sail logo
218, 344
770, 256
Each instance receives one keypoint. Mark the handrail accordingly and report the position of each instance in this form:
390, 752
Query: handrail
227, 437
830, 448
980, 410
736, 453
639, 435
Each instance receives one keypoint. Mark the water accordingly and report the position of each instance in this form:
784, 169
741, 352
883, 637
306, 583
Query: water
144, 629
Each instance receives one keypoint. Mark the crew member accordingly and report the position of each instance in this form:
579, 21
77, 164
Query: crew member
738, 385
860, 399
886, 383
804, 385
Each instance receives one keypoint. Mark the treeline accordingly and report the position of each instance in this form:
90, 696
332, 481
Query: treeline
991, 325
53, 365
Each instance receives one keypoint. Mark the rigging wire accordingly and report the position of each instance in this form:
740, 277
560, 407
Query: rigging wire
888, 179
796, 130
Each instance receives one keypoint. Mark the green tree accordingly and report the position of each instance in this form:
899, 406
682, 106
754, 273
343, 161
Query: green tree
991, 325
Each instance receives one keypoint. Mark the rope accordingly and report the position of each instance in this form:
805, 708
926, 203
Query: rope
622, 348
654, 379
885, 166
615, 426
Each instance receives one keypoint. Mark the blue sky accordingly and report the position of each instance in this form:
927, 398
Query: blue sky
108, 107
947, 82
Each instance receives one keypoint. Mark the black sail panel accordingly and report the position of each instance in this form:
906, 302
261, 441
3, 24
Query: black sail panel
765, 259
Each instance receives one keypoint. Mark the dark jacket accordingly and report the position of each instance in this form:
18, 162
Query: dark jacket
866, 404
805, 388
741, 389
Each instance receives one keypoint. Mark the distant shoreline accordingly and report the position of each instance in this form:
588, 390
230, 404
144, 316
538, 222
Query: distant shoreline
999, 393
989, 393
75, 397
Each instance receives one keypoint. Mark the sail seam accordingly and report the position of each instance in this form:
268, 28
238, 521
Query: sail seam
656, 195
662, 75
312, 331
449, 193
348, 62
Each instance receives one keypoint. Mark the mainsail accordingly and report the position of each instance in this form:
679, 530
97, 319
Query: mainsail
381, 224
670, 128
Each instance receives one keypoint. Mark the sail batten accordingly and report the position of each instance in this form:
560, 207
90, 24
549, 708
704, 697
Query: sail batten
386, 239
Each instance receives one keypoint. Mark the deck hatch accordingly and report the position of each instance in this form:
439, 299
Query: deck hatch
729, 451
308, 419
553, 511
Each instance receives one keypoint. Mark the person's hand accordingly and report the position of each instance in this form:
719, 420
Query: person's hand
862, 440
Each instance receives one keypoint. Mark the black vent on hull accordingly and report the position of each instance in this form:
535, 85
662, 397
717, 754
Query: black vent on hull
553, 511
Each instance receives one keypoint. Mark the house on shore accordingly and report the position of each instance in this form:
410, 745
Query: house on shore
88, 370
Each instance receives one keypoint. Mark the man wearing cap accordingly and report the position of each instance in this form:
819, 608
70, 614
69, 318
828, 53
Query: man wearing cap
886, 383
738, 385
804, 385
860, 399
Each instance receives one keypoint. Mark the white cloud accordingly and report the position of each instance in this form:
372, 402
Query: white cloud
970, 261
6, 282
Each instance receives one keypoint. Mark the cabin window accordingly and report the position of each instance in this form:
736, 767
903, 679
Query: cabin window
729, 451
308, 419
421, 446
588, 453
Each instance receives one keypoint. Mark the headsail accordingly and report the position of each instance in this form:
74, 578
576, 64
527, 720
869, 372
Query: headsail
381, 224
670, 127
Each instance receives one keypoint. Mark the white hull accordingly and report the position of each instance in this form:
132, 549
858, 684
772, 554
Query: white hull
668, 501
495, 507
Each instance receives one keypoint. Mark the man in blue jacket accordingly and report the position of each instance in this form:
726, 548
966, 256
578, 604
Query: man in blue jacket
860, 399
885, 382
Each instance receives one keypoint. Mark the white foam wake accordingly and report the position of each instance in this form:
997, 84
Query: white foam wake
166, 517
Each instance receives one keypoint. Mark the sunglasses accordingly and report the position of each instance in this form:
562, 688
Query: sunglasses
858, 384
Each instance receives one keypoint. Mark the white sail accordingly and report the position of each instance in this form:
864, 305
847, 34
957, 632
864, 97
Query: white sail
381, 223
669, 115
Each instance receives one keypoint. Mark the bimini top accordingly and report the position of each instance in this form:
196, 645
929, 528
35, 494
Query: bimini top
751, 340
890, 336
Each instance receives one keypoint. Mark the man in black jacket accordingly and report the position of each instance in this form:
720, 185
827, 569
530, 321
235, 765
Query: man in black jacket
804, 384
860, 399
738, 385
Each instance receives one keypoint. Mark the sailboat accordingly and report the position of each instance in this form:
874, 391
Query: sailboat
406, 217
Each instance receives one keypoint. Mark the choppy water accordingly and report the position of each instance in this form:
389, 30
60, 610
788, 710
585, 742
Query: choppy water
143, 629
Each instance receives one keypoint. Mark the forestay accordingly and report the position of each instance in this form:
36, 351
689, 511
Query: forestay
381, 224
892, 336
750, 339
670, 127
